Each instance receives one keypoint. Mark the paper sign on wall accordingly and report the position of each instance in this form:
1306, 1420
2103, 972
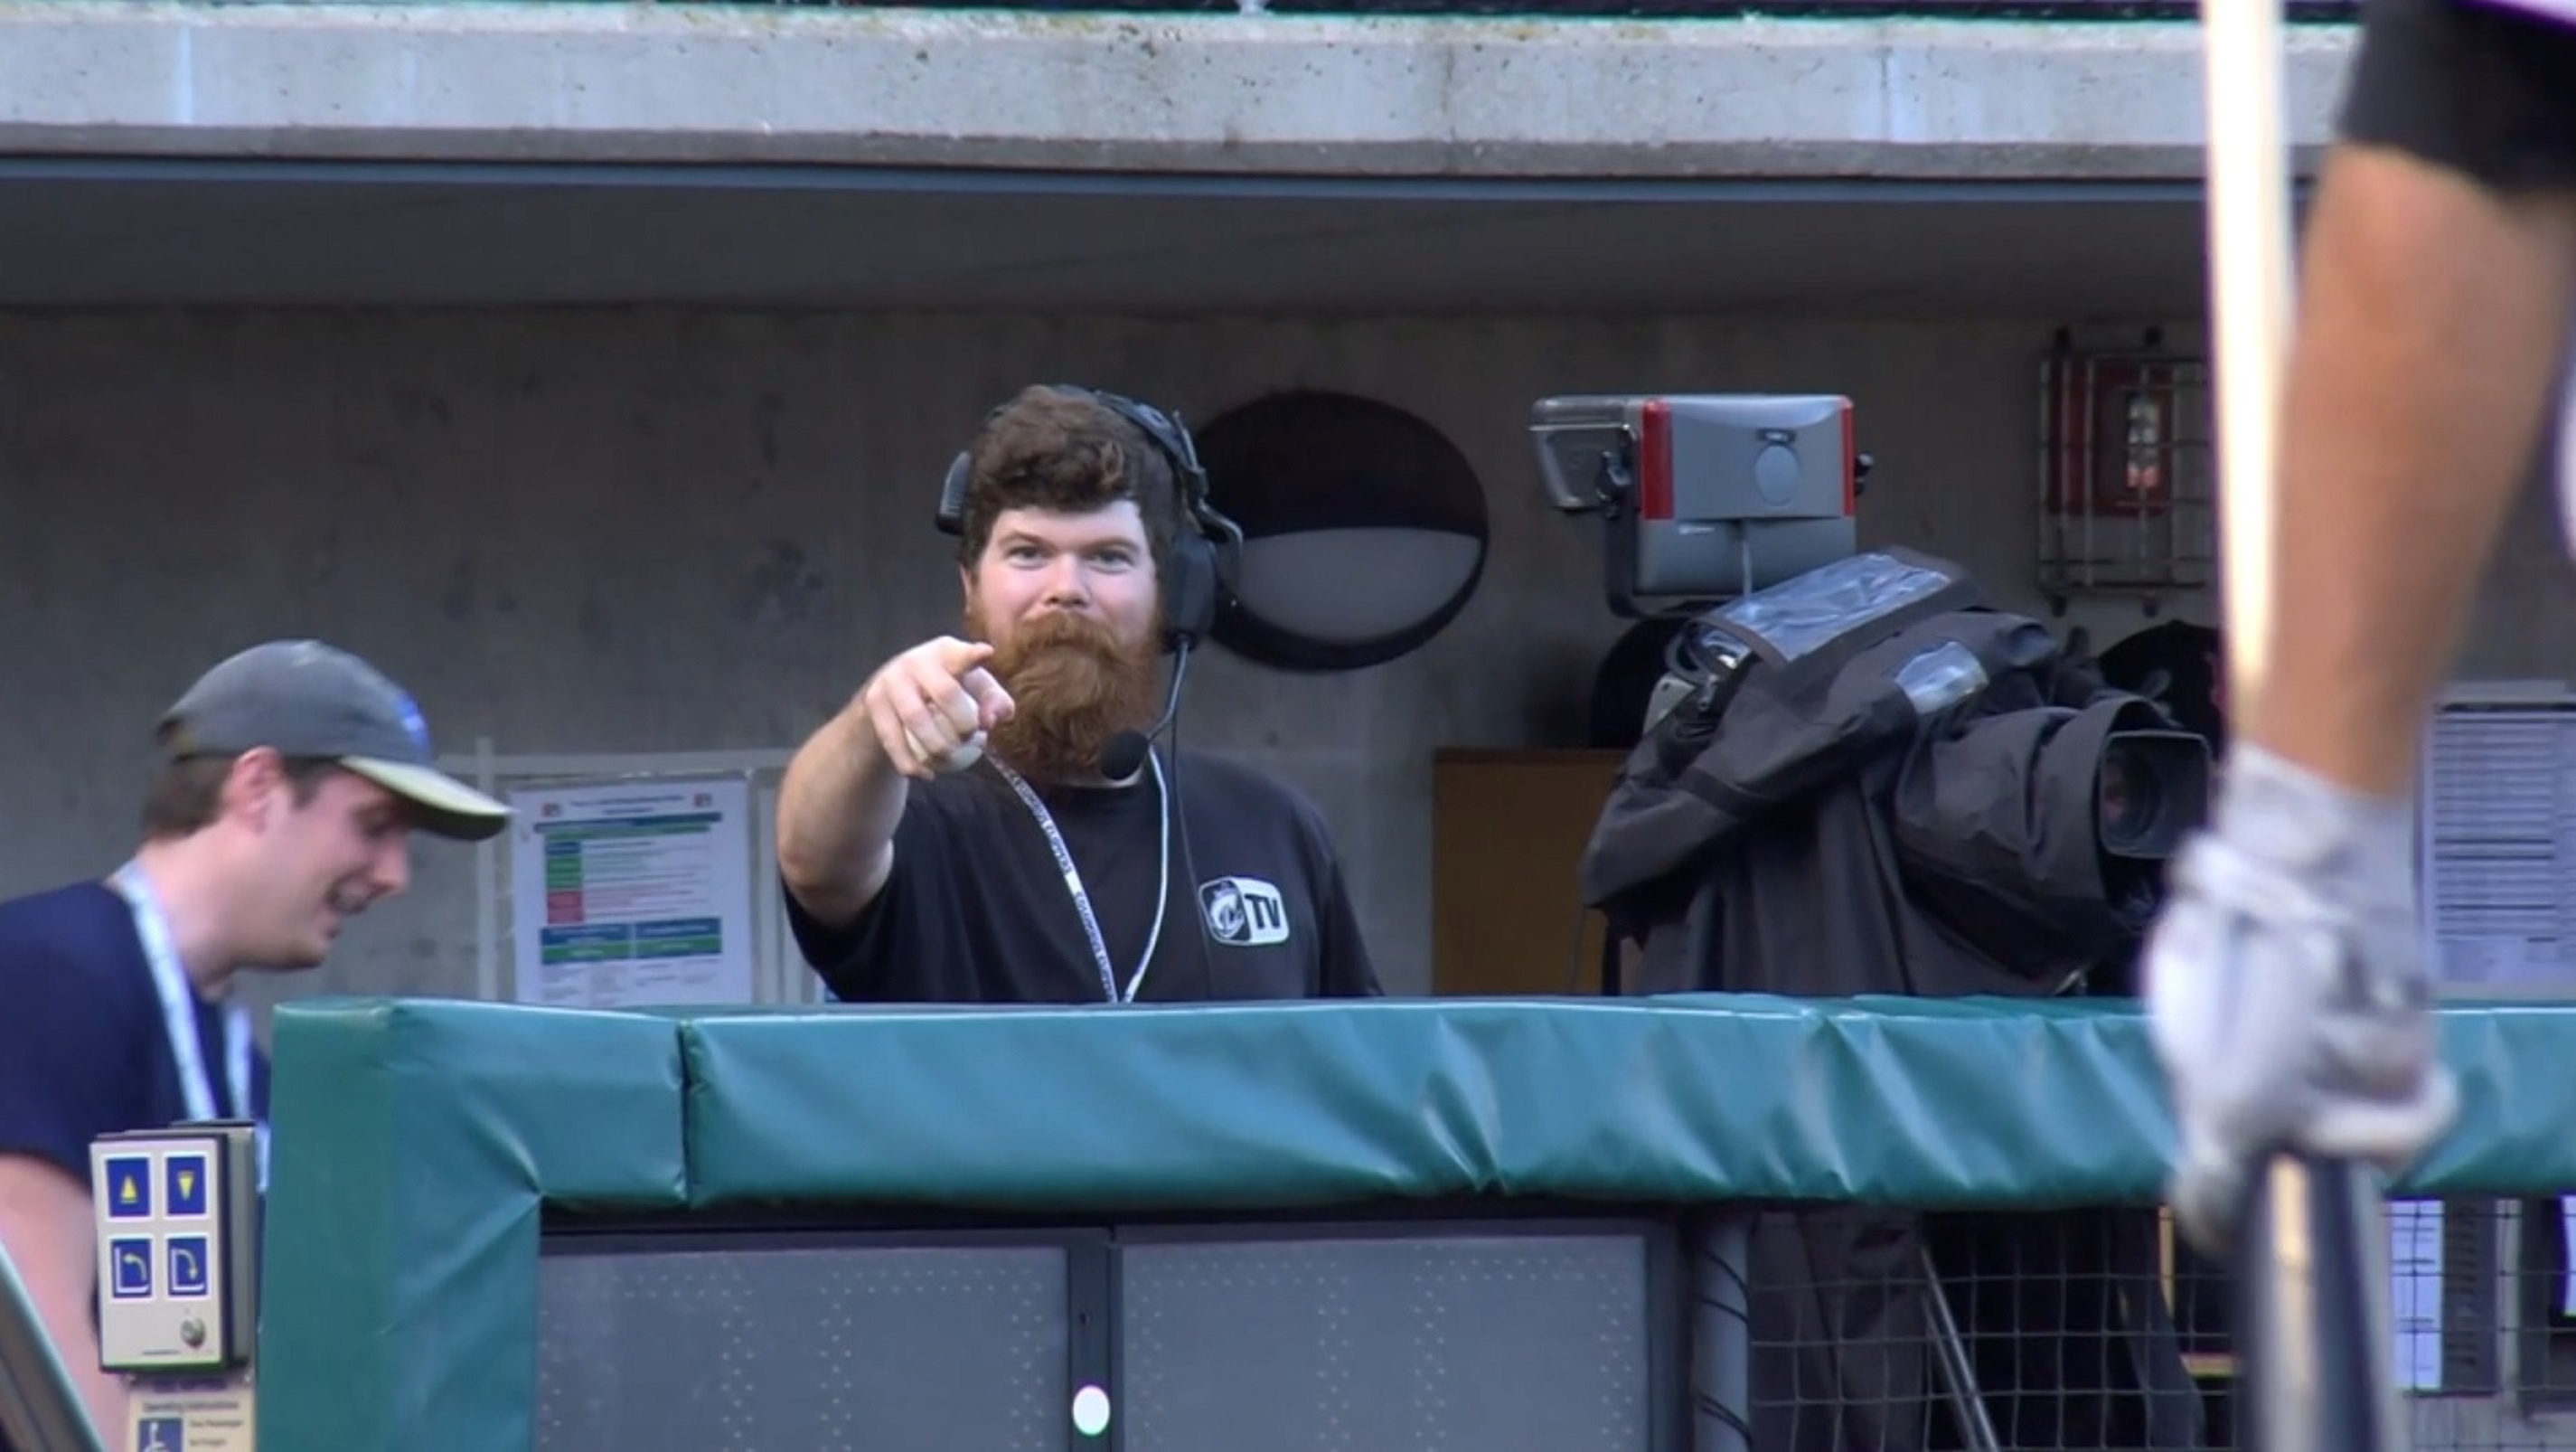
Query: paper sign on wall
2497, 844
631, 894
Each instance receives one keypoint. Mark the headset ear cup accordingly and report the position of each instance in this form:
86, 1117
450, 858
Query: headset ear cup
1225, 548
952, 495
1190, 590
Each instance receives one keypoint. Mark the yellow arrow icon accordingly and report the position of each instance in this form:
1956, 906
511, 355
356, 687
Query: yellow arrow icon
187, 1183
125, 1190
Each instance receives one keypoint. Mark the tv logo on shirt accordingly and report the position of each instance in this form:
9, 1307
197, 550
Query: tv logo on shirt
1244, 911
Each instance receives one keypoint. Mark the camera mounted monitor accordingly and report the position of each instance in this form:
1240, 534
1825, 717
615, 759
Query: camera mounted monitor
1704, 496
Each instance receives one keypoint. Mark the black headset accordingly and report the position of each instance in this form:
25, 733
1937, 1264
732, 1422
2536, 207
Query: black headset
1207, 550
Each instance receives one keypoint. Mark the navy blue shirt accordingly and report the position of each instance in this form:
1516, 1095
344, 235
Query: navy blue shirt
83, 1048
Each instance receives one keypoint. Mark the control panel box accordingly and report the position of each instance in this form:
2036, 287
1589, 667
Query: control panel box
177, 1216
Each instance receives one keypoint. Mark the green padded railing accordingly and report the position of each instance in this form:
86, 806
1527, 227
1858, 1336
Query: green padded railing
416, 1141
414, 1144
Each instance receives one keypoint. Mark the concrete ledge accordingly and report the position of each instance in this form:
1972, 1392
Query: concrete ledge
1229, 94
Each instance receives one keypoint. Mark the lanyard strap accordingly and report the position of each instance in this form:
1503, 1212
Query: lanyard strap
178, 1015
1082, 898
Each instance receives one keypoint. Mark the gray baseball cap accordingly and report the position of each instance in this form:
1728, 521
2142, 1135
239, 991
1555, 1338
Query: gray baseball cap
305, 698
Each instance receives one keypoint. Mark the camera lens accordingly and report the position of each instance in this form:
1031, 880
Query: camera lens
2128, 798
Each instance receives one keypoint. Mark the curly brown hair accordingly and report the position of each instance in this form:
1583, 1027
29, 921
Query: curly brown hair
1062, 449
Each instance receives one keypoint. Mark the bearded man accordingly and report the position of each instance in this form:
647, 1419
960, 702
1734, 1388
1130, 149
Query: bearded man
953, 835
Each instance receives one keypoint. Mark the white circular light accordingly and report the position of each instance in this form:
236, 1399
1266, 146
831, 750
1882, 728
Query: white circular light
1091, 1411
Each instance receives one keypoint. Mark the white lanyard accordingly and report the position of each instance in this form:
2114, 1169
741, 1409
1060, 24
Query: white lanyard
178, 1015
1082, 898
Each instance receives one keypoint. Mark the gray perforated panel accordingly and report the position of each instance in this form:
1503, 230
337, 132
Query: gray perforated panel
1464, 1343
762, 1350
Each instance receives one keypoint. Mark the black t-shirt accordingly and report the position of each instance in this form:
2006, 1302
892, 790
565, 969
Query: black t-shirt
977, 911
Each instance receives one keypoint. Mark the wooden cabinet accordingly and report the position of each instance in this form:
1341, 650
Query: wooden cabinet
1508, 829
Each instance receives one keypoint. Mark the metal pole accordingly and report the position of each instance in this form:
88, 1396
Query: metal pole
1957, 1368
2312, 1283
1722, 1334
40, 1407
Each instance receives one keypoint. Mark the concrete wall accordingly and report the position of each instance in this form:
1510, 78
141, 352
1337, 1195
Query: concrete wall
1340, 95
660, 531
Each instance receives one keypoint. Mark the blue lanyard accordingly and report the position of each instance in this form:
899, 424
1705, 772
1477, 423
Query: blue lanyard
179, 1017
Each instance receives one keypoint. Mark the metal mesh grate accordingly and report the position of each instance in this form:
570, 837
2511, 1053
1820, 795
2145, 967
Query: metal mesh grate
882, 1349
1873, 1330
1423, 1345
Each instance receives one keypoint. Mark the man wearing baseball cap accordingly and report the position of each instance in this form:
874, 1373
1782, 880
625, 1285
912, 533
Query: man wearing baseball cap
291, 778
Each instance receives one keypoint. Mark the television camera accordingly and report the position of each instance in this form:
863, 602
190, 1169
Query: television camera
1704, 494
1855, 775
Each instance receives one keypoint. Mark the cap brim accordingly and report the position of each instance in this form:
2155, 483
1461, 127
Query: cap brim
448, 807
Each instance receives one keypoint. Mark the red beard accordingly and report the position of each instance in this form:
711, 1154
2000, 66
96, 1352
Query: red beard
1073, 686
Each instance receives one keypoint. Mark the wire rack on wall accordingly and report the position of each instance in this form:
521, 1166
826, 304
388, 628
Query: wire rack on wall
2127, 497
